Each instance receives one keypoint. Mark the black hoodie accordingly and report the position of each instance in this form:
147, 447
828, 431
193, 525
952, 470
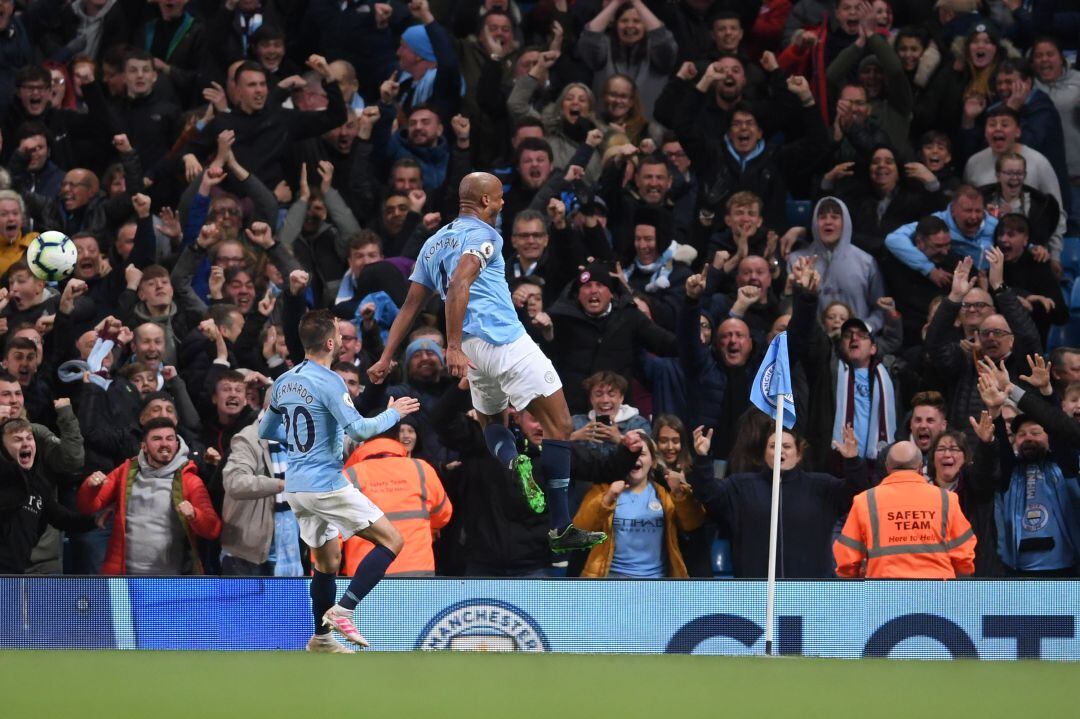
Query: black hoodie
26, 507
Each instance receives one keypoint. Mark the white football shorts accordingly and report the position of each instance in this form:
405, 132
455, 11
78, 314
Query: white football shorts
512, 374
321, 515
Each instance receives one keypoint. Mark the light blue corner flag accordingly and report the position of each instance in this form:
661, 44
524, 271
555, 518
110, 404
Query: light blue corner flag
773, 379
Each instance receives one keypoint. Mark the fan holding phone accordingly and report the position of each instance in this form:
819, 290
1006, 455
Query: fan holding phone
609, 419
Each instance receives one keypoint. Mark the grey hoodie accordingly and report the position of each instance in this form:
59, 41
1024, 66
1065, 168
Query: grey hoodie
155, 542
90, 27
847, 273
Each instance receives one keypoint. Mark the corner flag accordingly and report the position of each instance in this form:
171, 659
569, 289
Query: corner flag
773, 379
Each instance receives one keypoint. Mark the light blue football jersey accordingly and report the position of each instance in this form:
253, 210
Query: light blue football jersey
490, 315
310, 411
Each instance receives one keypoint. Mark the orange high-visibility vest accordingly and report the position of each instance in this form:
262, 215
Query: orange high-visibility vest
409, 492
905, 528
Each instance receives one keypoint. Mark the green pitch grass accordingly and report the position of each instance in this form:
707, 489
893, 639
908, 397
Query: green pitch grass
294, 685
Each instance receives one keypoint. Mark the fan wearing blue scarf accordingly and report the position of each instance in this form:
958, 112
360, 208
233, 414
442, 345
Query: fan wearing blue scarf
1036, 512
430, 72
661, 265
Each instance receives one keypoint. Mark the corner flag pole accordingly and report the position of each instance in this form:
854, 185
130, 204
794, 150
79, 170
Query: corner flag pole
774, 521
772, 393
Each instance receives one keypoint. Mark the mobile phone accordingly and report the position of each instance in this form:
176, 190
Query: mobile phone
604, 419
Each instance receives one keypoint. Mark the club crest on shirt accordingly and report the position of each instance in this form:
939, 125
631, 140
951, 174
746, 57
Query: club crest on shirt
1036, 517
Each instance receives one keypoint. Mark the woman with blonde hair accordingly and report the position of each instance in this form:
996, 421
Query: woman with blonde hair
567, 121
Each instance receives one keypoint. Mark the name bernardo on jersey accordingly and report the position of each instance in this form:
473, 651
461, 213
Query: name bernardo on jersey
298, 389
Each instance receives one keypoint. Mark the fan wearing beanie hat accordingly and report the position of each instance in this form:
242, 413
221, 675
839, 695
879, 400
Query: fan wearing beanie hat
594, 287
430, 71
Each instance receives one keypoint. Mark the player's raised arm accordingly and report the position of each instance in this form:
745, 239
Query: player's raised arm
361, 428
457, 299
416, 299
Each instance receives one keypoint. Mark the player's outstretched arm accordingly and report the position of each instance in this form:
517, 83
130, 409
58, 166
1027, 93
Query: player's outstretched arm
457, 300
416, 299
363, 428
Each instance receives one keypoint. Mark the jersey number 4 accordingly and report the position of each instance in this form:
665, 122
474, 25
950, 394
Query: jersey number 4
444, 281
302, 445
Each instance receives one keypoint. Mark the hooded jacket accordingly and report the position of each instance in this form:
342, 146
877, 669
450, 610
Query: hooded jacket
626, 419
116, 490
27, 507
847, 273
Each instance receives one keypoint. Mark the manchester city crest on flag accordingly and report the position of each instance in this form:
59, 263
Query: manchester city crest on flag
773, 380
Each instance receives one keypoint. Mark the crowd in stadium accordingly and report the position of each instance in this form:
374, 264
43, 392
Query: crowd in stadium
896, 184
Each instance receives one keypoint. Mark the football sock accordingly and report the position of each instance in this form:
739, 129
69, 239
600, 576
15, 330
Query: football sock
323, 590
500, 442
555, 461
371, 570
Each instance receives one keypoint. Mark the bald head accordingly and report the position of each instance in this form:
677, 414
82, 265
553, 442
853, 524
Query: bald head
903, 455
480, 194
475, 185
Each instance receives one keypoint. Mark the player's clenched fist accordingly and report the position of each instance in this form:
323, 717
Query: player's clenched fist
457, 364
378, 371
404, 405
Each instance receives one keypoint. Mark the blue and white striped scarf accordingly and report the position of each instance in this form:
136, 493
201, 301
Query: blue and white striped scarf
285, 550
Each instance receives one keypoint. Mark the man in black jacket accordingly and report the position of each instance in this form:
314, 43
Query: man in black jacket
744, 161
27, 502
176, 41
80, 137
148, 113
1031, 278
535, 256
264, 132
596, 330
496, 532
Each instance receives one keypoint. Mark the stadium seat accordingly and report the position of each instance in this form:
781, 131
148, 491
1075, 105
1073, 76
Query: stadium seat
1055, 338
1074, 296
798, 212
1064, 335
721, 559
1070, 258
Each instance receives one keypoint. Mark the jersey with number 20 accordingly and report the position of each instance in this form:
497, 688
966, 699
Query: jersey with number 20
310, 410
490, 315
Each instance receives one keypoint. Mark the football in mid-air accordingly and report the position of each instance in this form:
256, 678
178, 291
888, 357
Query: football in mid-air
51, 255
